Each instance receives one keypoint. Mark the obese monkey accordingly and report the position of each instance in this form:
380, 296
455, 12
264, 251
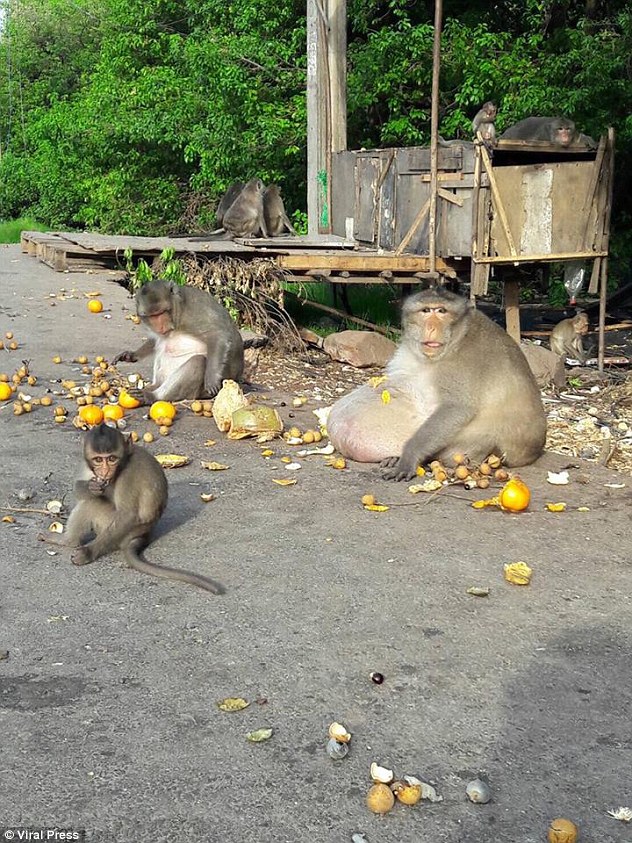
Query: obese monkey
226, 201
559, 131
245, 216
484, 122
567, 337
457, 383
274, 212
121, 492
195, 343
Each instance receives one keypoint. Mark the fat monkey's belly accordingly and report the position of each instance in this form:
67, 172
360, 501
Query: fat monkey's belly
174, 351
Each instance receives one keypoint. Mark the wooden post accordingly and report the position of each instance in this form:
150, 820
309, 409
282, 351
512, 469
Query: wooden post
434, 135
326, 105
511, 289
605, 240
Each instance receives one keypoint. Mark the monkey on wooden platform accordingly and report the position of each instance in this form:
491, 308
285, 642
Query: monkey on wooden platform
121, 492
194, 341
457, 383
559, 131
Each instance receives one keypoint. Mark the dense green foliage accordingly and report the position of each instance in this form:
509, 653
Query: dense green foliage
133, 116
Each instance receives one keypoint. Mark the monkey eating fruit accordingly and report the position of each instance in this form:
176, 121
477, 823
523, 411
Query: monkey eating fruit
195, 343
567, 337
457, 383
121, 493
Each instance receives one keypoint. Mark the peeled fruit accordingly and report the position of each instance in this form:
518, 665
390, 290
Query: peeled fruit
515, 495
562, 831
91, 414
95, 306
408, 793
380, 799
128, 401
5, 391
113, 412
162, 410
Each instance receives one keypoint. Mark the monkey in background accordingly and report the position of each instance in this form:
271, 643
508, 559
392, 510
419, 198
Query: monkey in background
194, 341
121, 493
245, 217
484, 122
559, 131
457, 383
274, 212
226, 201
567, 337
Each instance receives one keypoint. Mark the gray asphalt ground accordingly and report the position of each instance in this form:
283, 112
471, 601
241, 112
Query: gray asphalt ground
108, 715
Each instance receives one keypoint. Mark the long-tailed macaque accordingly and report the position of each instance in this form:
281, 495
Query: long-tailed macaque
567, 337
457, 383
559, 131
227, 200
245, 216
195, 343
274, 212
121, 493
484, 122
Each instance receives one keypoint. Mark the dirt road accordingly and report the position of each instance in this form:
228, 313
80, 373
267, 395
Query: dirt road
108, 697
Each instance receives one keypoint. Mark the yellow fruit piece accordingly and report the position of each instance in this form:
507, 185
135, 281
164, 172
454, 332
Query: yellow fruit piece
162, 410
113, 412
294, 432
556, 507
515, 495
407, 794
285, 481
173, 460
128, 401
46, 401
386, 396
380, 799
91, 414
9, 335
518, 573
95, 306
57, 359
338, 463
5, 391
562, 831
148, 437
368, 500
197, 407
376, 507
376, 381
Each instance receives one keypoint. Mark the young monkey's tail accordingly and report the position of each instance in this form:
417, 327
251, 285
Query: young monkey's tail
145, 567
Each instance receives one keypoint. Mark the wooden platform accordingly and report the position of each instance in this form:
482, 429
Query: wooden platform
326, 258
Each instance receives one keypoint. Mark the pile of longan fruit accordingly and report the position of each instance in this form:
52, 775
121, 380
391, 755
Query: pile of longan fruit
470, 475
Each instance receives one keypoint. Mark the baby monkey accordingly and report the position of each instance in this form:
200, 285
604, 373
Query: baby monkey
121, 493
567, 337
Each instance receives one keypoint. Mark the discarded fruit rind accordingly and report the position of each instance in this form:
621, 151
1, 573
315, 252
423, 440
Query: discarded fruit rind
556, 507
478, 792
233, 704
259, 735
172, 460
562, 831
380, 799
518, 573
128, 401
228, 399
339, 733
381, 775
253, 420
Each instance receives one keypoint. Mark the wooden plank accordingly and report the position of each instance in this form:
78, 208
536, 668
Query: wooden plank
603, 292
360, 262
421, 215
387, 204
498, 202
511, 145
517, 259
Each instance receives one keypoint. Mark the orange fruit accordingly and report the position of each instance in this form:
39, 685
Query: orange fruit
128, 401
113, 412
515, 495
5, 391
91, 414
95, 306
162, 410
562, 831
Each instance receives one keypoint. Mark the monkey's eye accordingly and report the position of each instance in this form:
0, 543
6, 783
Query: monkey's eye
97, 460
112, 458
441, 310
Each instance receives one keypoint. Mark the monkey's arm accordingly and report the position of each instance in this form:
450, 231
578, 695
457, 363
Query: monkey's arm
145, 350
435, 434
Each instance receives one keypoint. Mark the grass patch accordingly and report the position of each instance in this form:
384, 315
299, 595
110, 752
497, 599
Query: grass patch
10, 230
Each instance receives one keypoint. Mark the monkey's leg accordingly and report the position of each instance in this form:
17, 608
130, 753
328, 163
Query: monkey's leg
187, 381
84, 520
131, 550
111, 533
219, 365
